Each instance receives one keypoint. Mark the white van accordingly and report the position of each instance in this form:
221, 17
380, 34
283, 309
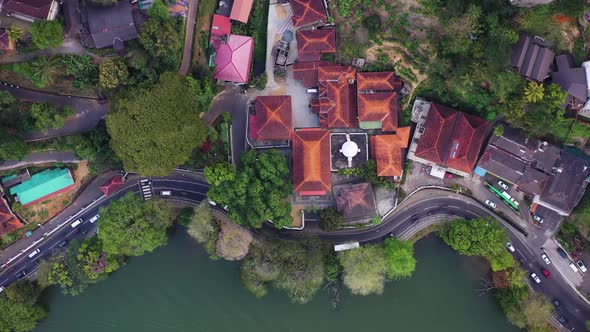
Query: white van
34, 253
573, 267
76, 223
166, 193
94, 219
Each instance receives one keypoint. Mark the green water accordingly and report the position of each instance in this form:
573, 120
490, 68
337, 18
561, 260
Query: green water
177, 288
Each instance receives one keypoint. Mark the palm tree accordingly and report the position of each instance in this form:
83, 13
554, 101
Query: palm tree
43, 70
534, 92
15, 34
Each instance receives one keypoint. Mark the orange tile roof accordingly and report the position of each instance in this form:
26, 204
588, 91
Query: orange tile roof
388, 151
377, 98
273, 117
8, 221
336, 103
311, 44
311, 162
307, 12
307, 72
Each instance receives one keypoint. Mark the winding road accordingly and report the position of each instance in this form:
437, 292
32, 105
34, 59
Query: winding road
409, 218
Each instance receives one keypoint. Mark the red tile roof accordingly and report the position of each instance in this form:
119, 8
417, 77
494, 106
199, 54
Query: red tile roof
8, 221
220, 26
38, 9
312, 43
240, 10
311, 162
388, 151
377, 98
4, 42
233, 59
451, 138
380, 81
307, 12
356, 201
307, 72
112, 185
273, 118
336, 103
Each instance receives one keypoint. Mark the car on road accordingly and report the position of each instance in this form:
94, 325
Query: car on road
546, 259
490, 204
556, 303
562, 253
21, 274
63, 243
547, 274
85, 231
503, 185
94, 219
562, 320
535, 278
34, 253
538, 218
413, 218
77, 223
581, 266
573, 267
1, 289
212, 202
166, 193
510, 247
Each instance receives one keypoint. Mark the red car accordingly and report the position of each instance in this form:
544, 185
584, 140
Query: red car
547, 274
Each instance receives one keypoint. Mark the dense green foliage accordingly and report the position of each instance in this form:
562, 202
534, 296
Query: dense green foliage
159, 11
155, 129
399, 256
256, 192
204, 229
162, 41
20, 308
479, 237
41, 70
112, 73
294, 267
46, 34
364, 269
131, 227
330, 219
525, 308
12, 147
50, 116
83, 70
368, 172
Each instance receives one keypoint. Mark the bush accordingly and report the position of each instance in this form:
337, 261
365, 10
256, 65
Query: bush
330, 219
45, 34
372, 24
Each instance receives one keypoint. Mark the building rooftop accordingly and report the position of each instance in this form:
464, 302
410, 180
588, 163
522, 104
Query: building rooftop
221, 25
38, 9
311, 162
388, 151
532, 181
307, 72
110, 25
502, 164
336, 103
356, 202
377, 100
8, 221
308, 12
531, 58
240, 10
42, 185
348, 150
311, 44
233, 59
273, 118
451, 138
112, 185
571, 79
4, 41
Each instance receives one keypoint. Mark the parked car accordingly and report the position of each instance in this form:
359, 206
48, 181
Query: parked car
490, 204
538, 218
535, 278
77, 222
503, 185
556, 303
582, 266
562, 320
166, 193
63, 243
34, 253
562, 253
94, 219
573, 267
546, 259
21, 274
547, 274
510, 247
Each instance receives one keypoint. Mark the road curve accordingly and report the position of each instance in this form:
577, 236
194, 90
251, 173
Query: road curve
411, 218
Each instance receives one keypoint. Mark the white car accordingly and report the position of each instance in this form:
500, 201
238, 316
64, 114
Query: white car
582, 266
490, 204
94, 219
535, 278
538, 218
166, 193
503, 185
510, 247
546, 259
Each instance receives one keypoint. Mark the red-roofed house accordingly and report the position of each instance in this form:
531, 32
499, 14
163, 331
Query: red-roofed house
8, 221
308, 12
378, 105
240, 10
449, 139
30, 10
112, 185
389, 151
311, 44
5, 44
336, 102
311, 162
233, 59
273, 118
307, 72
220, 26
356, 202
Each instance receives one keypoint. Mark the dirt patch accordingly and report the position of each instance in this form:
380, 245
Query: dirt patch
296, 214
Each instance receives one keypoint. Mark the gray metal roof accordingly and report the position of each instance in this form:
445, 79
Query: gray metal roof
532, 58
532, 181
111, 25
572, 80
502, 164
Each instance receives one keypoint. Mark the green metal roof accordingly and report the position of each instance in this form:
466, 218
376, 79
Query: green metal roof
370, 124
42, 184
9, 177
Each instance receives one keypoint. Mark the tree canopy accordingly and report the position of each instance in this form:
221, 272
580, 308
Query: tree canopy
50, 116
364, 269
12, 147
46, 34
161, 40
131, 227
19, 307
330, 219
399, 255
256, 192
112, 73
203, 228
155, 129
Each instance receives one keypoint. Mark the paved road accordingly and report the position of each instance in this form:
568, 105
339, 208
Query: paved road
43, 157
412, 217
88, 111
187, 53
